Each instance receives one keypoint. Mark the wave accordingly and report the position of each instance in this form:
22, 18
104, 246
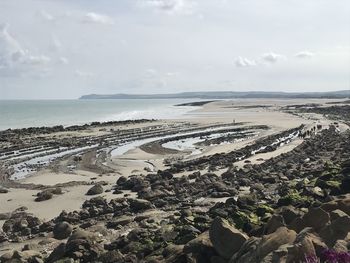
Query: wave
167, 112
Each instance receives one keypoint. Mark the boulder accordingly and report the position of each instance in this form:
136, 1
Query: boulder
120, 221
200, 249
199, 245
247, 253
111, 257
95, 190
337, 230
62, 230
3, 237
275, 222
57, 254
43, 196
316, 218
139, 205
306, 244
121, 180
3, 190
24, 256
342, 204
83, 246
226, 239
272, 242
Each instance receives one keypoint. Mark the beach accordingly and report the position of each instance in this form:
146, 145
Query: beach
214, 137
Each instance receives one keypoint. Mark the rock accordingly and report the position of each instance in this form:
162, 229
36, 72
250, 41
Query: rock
43, 196
226, 239
3, 190
6, 257
83, 246
341, 246
121, 180
337, 230
337, 214
200, 245
316, 218
27, 256
5, 216
56, 191
200, 249
341, 204
62, 230
306, 243
57, 254
111, 257
273, 241
247, 253
289, 214
246, 201
275, 222
31, 246
95, 190
140, 205
3, 237
120, 221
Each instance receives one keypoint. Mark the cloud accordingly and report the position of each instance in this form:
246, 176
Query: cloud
272, 57
98, 19
10, 50
37, 60
244, 62
46, 16
183, 7
14, 59
151, 72
63, 60
56, 44
304, 54
83, 74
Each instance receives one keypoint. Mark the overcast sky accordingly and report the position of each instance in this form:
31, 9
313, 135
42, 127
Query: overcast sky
67, 48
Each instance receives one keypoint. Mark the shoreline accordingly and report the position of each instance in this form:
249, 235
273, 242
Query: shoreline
211, 141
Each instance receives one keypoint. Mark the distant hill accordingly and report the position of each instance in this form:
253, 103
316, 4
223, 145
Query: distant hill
224, 95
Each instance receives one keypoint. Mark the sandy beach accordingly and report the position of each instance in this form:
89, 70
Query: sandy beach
134, 161
136, 149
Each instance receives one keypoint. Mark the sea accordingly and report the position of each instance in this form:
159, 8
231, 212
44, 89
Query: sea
37, 113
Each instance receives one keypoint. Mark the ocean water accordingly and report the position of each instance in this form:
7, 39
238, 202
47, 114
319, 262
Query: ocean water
37, 113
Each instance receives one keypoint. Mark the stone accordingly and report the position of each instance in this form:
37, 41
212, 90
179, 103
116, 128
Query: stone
43, 196
95, 190
62, 230
247, 252
316, 218
121, 180
275, 222
273, 241
3, 237
57, 254
30, 246
200, 249
289, 214
27, 256
111, 257
120, 221
226, 239
342, 204
3, 190
306, 243
335, 214
200, 244
139, 204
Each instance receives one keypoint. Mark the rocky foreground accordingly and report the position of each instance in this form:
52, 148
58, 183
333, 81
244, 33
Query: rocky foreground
291, 208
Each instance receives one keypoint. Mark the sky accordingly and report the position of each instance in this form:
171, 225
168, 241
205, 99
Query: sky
62, 49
